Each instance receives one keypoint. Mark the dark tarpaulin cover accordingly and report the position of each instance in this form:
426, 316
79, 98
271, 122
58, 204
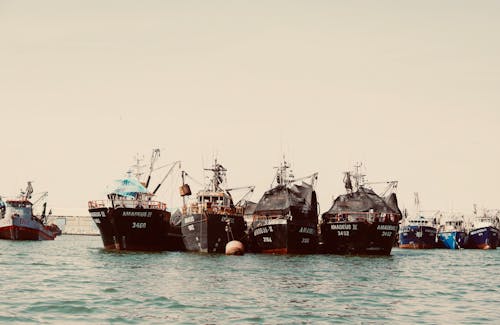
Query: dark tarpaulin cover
392, 202
298, 198
364, 200
250, 208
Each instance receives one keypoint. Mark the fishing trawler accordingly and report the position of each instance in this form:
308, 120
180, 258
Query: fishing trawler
484, 230
418, 232
451, 232
213, 219
285, 219
17, 221
361, 221
130, 219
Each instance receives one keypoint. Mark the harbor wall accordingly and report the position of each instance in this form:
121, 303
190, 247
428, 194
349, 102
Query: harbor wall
75, 225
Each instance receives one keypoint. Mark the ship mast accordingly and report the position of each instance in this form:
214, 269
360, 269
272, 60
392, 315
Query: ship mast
183, 174
26, 195
218, 177
283, 177
359, 179
138, 167
417, 204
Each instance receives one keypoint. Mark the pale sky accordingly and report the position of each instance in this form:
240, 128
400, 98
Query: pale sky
410, 88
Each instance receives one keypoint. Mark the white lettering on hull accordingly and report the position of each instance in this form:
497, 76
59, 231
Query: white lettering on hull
276, 222
387, 227
344, 226
142, 214
307, 230
138, 225
262, 230
97, 214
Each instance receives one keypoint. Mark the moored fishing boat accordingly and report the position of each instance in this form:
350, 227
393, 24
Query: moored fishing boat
17, 221
418, 232
285, 219
484, 231
130, 219
361, 221
451, 232
213, 220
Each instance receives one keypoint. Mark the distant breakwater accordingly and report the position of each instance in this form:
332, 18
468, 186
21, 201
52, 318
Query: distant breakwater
75, 225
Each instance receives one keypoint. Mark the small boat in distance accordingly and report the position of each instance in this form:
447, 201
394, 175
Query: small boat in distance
484, 230
213, 220
285, 220
361, 221
452, 233
17, 221
130, 219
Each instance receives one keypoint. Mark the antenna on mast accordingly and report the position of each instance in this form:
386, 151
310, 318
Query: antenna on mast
417, 203
359, 179
138, 167
219, 176
282, 175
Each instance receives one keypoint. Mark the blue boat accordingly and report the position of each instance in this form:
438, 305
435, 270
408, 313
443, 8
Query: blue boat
417, 233
484, 232
451, 233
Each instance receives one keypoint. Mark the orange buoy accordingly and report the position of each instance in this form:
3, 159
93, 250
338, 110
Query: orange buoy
235, 247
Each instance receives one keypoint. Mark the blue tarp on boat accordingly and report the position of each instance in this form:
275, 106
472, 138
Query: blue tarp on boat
127, 187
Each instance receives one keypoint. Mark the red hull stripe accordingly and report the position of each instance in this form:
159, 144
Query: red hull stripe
27, 230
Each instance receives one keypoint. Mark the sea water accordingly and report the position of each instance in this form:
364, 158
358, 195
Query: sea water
73, 280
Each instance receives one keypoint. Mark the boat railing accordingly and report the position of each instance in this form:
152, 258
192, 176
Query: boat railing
355, 216
214, 209
124, 203
258, 217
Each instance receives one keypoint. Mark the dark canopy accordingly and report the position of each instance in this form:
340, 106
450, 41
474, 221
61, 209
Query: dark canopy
298, 198
364, 200
250, 208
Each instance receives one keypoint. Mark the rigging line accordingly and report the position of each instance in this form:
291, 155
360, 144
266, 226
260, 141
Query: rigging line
164, 166
193, 179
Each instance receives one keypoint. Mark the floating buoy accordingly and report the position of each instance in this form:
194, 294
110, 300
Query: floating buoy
235, 247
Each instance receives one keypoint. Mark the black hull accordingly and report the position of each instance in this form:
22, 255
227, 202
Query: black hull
133, 229
281, 236
207, 232
358, 237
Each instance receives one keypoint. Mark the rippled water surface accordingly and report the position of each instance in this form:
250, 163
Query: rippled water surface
72, 280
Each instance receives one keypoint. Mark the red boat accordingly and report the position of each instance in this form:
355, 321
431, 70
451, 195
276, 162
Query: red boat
17, 221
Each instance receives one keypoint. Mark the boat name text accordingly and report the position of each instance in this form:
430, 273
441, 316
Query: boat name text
344, 226
144, 214
387, 227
